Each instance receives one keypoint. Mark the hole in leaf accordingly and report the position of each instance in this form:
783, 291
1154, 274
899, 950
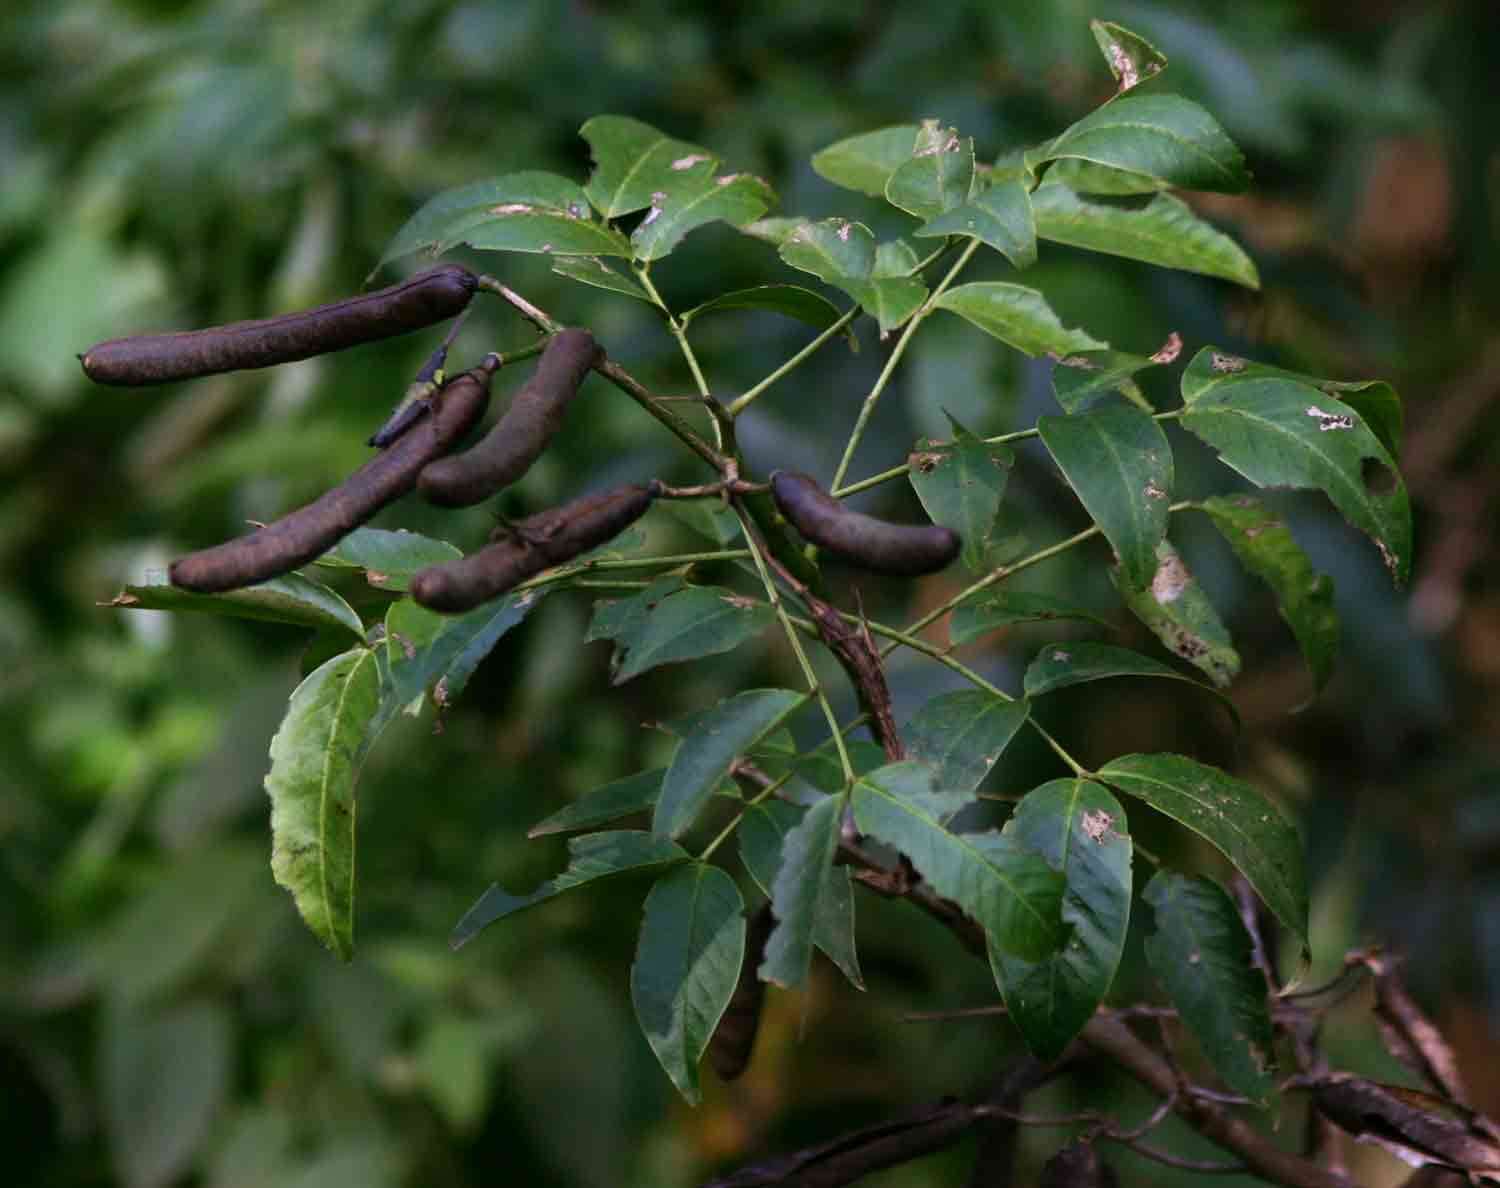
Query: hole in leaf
1379, 479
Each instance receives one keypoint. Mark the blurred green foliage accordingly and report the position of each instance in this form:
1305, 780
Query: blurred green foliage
164, 1018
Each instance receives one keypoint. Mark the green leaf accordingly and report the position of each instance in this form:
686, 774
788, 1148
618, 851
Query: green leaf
1265, 547
866, 162
707, 517
1059, 665
991, 610
670, 623
290, 598
845, 255
1377, 403
805, 876
791, 301
1080, 829
1084, 177
962, 734
1202, 954
1131, 58
1080, 382
1162, 136
164, 1078
1283, 433
426, 650
938, 177
1179, 614
774, 230
316, 754
633, 794
592, 270
1017, 316
523, 212
444, 220
686, 966
762, 837
593, 856
999, 216
1161, 230
1009, 890
727, 731
694, 199
389, 559
1117, 460
1232, 815
633, 162
960, 486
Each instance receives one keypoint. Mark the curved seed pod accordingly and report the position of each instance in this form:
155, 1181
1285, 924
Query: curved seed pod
905, 550
734, 1038
304, 534
538, 542
422, 300
518, 438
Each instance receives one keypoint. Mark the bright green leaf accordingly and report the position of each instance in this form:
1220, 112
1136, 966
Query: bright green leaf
1179, 614
633, 162
866, 162
1232, 815
592, 270
1117, 460
1009, 890
1201, 952
315, 761
1131, 58
633, 794
1163, 136
991, 610
590, 857
762, 839
960, 486
1283, 433
667, 626
1084, 177
845, 255
999, 216
938, 177
805, 875
686, 965
389, 559
962, 734
290, 598
693, 200
1080, 829
1160, 230
1018, 316
1265, 547
725, 732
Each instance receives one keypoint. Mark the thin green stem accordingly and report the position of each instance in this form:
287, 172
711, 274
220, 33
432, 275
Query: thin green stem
896, 472
868, 408
738, 405
728, 831
643, 274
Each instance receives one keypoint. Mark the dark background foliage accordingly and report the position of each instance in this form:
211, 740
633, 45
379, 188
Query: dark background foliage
164, 1018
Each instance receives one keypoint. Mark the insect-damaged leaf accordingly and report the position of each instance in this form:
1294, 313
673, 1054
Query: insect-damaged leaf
315, 760
1079, 828
845, 255
686, 965
694, 199
1265, 547
762, 835
1059, 665
1235, 817
960, 485
592, 270
1179, 614
938, 177
593, 856
670, 621
866, 162
1280, 432
1118, 462
1017, 316
1201, 952
1132, 59
1082, 381
389, 559
999, 216
290, 598
962, 734
722, 734
633, 162
1008, 889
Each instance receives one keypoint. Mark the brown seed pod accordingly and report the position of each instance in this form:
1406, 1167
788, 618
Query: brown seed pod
518, 438
304, 534
904, 550
422, 300
733, 1039
1078, 1166
538, 542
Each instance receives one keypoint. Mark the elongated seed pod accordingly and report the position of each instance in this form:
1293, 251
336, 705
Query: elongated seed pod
536, 543
904, 550
304, 534
419, 301
734, 1038
518, 438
